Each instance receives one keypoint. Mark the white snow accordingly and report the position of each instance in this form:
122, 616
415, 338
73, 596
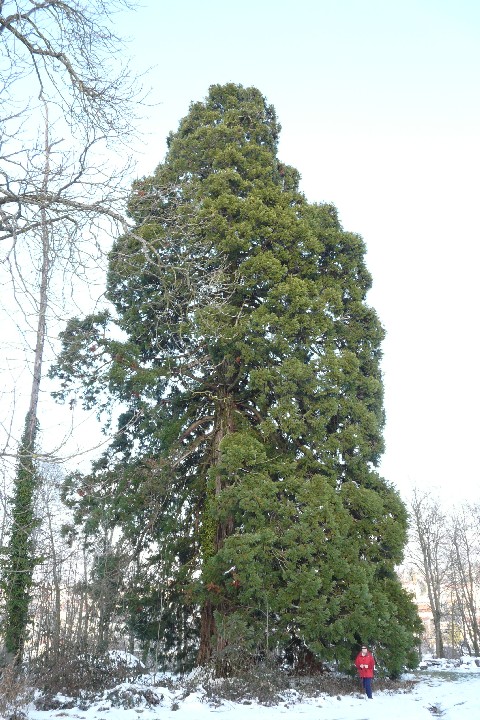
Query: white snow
446, 690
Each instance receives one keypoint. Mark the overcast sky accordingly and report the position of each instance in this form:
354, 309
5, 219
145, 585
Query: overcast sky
380, 108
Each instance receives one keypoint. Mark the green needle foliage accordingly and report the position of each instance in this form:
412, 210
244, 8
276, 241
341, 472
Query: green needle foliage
249, 373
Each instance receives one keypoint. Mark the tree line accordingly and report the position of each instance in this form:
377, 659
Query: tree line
237, 512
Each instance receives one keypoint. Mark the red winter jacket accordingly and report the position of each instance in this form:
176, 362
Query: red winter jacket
368, 663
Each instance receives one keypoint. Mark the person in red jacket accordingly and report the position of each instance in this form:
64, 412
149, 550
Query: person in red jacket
365, 663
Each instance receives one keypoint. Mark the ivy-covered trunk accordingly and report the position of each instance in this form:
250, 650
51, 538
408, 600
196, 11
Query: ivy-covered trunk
20, 559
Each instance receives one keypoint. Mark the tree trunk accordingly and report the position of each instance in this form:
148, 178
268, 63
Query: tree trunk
224, 424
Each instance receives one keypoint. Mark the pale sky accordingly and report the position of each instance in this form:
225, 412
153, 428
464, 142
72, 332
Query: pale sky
380, 108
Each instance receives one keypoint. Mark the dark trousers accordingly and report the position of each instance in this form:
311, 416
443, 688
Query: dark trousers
367, 686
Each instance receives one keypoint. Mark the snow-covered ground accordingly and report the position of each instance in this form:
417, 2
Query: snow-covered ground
445, 690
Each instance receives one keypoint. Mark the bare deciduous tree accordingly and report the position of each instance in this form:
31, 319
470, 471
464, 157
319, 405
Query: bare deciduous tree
65, 55
430, 554
66, 100
465, 572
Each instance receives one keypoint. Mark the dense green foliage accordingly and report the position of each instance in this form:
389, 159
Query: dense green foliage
248, 368
19, 562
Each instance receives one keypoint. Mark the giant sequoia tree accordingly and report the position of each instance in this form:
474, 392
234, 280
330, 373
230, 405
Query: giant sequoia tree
249, 373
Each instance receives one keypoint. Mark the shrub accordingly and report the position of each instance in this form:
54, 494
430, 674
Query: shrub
15, 693
71, 674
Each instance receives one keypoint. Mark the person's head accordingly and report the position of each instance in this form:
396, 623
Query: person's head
364, 649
